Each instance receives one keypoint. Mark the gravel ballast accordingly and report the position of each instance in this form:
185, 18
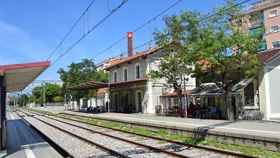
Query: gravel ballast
183, 150
74, 146
125, 148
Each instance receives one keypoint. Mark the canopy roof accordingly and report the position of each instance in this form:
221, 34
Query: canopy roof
207, 89
89, 85
241, 85
97, 85
19, 76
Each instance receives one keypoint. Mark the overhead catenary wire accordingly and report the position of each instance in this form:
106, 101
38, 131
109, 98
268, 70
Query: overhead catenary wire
70, 30
140, 27
202, 19
89, 31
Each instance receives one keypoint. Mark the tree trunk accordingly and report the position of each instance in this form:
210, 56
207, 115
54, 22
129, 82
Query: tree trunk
181, 109
229, 107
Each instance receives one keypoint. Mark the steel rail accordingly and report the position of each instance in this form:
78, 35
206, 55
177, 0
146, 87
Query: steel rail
118, 138
57, 147
158, 138
113, 152
154, 137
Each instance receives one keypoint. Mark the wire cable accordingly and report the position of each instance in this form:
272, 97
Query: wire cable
89, 31
71, 29
202, 19
140, 27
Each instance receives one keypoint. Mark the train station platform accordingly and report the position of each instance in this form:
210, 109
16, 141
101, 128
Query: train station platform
256, 128
258, 132
24, 142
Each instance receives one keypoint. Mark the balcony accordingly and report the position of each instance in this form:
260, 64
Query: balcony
256, 20
257, 32
255, 24
263, 4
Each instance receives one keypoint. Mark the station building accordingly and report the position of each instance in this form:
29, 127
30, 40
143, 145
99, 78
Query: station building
130, 89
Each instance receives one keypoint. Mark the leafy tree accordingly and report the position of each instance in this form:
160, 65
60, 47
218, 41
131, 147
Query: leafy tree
37, 94
219, 67
51, 91
205, 43
79, 73
23, 99
177, 40
58, 99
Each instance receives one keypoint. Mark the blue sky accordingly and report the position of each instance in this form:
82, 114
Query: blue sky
30, 29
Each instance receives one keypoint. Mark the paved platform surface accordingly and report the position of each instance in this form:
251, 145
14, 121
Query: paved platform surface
24, 142
263, 130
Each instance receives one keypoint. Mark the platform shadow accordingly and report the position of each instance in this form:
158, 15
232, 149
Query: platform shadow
19, 135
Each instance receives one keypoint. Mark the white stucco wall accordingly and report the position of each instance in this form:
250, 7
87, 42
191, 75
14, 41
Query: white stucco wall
154, 87
269, 90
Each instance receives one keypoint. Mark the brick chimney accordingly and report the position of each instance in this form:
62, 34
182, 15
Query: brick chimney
129, 44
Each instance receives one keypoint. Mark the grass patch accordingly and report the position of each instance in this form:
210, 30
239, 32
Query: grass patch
240, 148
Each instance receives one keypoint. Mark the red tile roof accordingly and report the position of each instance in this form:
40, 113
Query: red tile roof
131, 58
268, 55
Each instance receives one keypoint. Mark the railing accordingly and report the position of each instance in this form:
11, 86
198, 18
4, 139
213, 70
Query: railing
262, 4
256, 23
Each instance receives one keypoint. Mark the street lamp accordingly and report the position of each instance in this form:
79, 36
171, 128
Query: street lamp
185, 96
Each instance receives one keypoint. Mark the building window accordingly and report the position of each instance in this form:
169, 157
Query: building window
125, 74
276, 44
273, 13
115, 76
274, 28
137, 71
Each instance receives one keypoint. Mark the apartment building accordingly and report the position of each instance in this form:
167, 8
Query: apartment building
262, 20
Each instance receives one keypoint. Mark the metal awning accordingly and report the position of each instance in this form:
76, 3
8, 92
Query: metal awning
88, 85
19, 76
241, 85
207, 89
96, 85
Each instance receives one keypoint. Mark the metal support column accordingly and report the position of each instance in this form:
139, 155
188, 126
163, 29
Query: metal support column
2, 113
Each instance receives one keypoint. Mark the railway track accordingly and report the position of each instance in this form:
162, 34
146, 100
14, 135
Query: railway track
167, 147
98, 150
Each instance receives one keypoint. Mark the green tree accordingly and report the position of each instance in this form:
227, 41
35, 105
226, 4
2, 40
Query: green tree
23, 100
176, 41
79, 73
223, 34
52, 91
204, 43
37, 96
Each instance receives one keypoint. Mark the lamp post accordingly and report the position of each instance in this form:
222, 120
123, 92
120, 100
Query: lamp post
185, 96
108, 97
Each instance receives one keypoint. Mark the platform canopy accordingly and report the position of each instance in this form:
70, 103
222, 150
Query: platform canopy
19, 76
